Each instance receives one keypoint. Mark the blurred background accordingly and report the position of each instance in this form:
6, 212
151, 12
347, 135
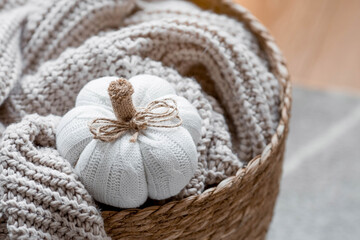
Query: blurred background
320, 189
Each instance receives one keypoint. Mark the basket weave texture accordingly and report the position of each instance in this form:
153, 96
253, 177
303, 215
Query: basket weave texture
240, 207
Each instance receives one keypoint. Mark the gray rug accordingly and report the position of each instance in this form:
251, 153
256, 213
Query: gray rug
320, 189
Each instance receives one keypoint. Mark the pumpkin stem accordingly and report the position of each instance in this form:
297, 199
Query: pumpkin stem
120, 92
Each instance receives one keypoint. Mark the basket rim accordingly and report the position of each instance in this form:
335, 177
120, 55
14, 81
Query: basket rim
279, 68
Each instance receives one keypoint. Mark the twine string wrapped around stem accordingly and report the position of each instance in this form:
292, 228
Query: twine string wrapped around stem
162, 113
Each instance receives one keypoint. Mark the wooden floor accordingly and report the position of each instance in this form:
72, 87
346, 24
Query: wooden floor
319, 38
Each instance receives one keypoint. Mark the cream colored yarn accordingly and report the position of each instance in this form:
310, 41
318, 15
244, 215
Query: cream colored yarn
53, 49
41, 196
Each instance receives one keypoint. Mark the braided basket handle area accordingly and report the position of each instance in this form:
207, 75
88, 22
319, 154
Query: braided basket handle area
241, 206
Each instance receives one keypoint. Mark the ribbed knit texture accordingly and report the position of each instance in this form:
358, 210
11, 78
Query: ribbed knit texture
159, 164
52, 49
41, 196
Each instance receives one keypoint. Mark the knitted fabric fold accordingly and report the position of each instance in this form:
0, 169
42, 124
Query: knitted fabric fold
40, 196
52, 49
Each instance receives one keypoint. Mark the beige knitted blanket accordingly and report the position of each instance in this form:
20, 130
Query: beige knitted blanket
50, 49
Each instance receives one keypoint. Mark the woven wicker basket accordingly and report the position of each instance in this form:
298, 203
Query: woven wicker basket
240, 207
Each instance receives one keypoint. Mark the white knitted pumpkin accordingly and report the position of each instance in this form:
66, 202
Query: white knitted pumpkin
124, 173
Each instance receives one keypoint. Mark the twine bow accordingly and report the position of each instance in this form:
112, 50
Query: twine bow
162, 113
